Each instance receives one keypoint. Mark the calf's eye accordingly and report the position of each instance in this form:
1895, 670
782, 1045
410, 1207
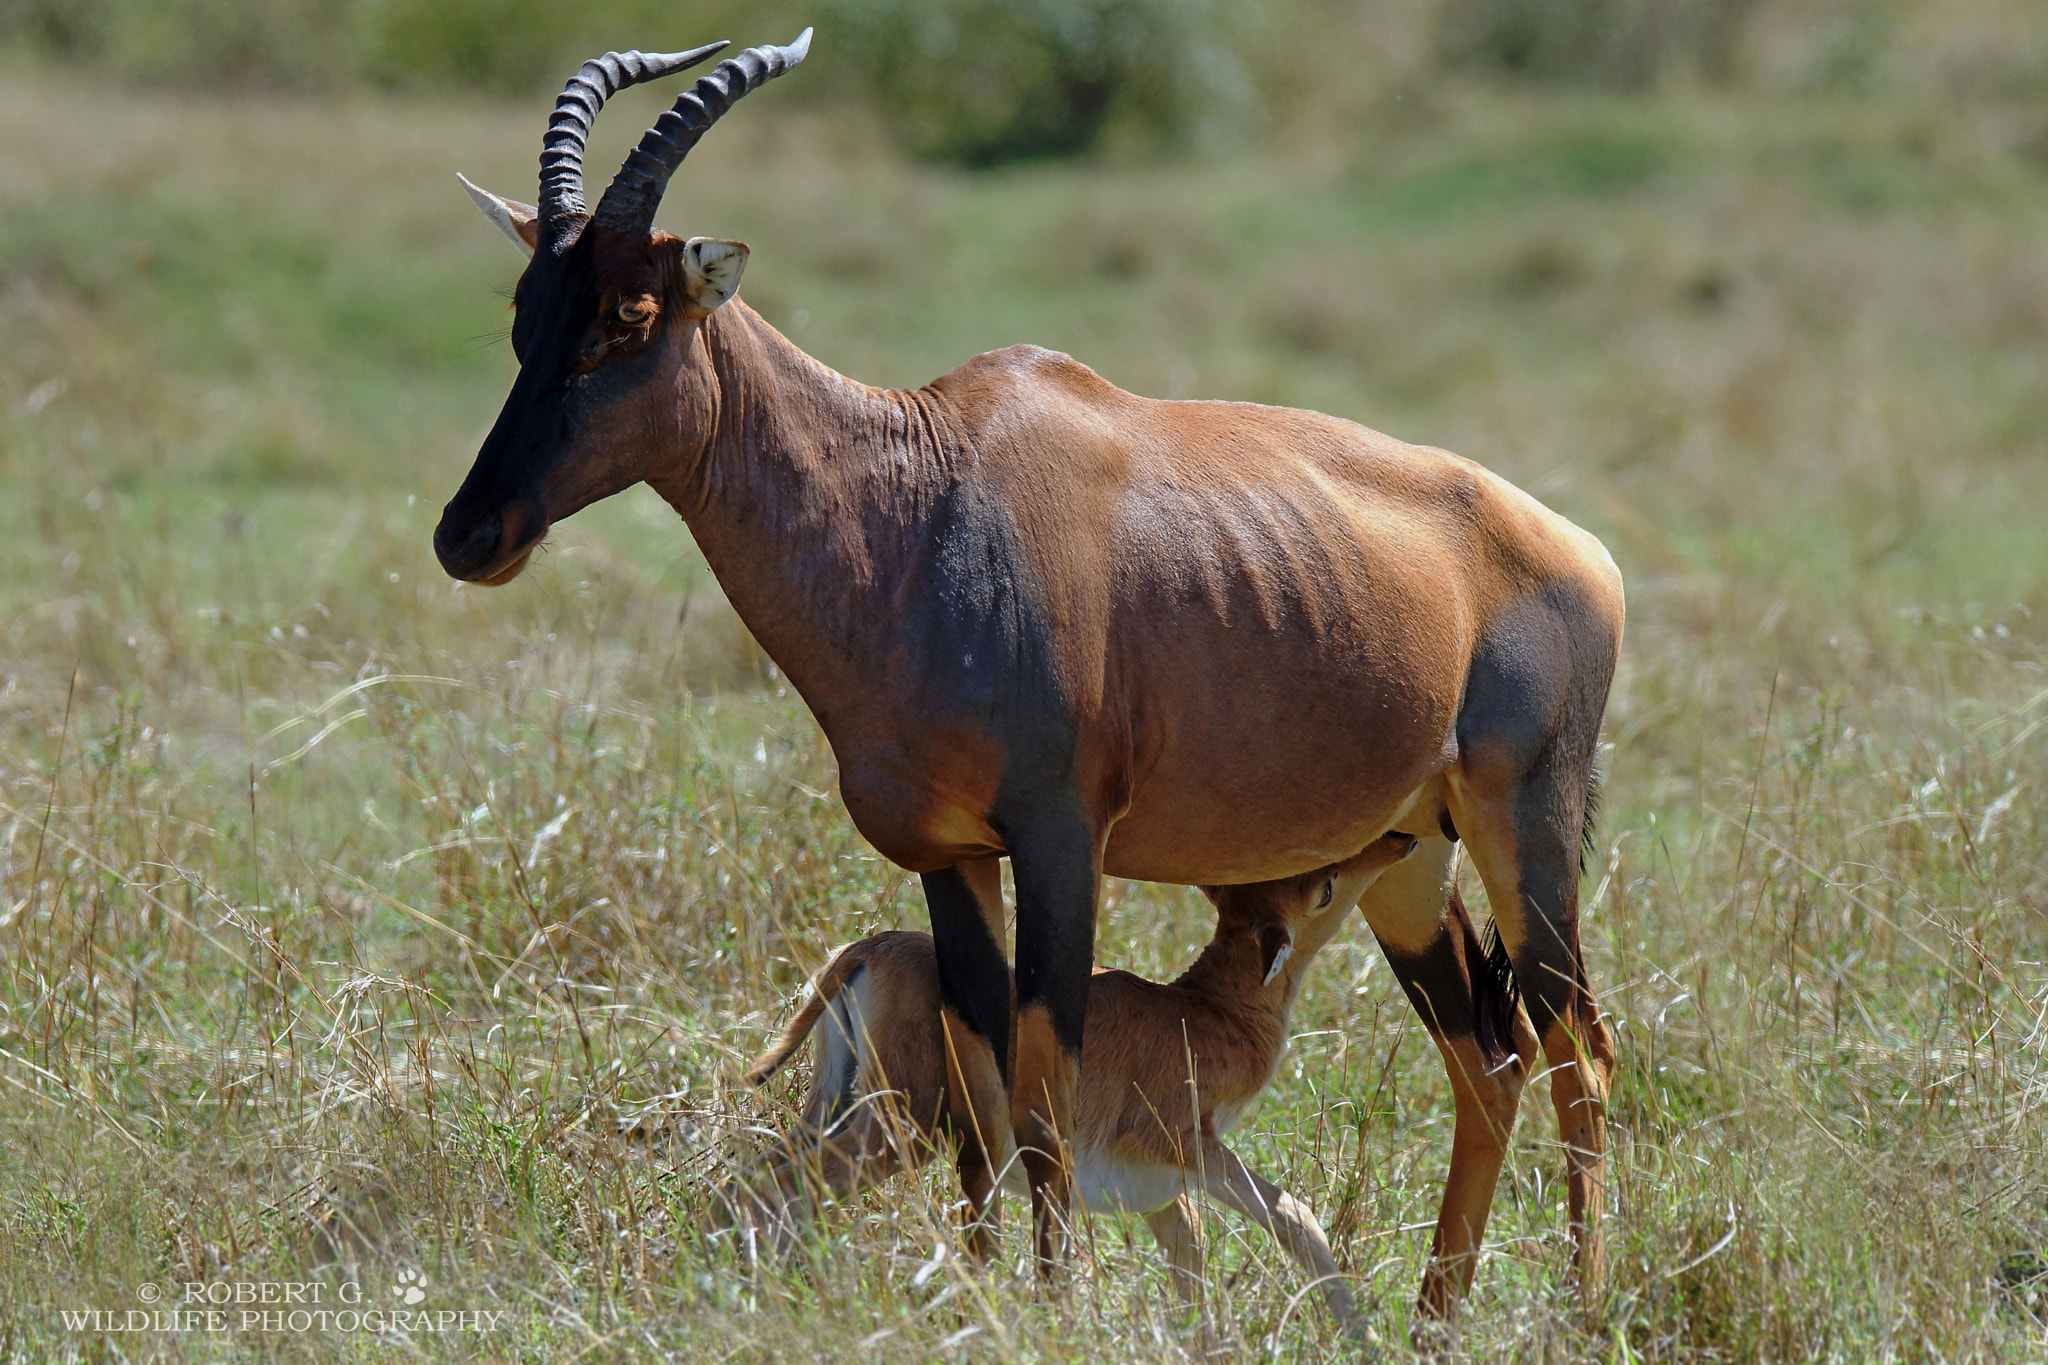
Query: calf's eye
634, 312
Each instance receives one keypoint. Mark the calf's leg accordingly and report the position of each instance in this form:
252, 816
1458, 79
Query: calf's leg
1180, 1241
1230, 1182
977, 1115
856, 1132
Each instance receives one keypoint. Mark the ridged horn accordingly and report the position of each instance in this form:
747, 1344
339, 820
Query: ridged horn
635, 192
561, 150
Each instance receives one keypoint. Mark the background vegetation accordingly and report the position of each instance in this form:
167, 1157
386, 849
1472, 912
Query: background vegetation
355, 921
987, 81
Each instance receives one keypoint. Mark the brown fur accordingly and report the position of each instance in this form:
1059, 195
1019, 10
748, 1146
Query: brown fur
1167, 1068
1208, 643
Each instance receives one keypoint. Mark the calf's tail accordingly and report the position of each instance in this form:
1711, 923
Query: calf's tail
825, 987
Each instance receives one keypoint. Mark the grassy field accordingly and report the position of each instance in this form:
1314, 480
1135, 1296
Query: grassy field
353, 923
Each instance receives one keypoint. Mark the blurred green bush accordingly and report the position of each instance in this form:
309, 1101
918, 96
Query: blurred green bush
1628, 44
988, 81
974, 81
510, 46
195, 42
982, 82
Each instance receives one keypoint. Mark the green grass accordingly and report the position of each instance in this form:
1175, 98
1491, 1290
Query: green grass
354, 922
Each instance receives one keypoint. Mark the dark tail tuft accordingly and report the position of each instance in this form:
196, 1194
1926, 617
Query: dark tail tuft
1499, 969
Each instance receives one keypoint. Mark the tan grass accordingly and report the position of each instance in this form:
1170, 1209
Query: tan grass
353, 922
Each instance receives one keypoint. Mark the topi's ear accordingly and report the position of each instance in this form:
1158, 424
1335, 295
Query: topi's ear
711, 270
520, 222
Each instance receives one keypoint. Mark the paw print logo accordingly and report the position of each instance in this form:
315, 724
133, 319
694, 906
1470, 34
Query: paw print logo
411, 1287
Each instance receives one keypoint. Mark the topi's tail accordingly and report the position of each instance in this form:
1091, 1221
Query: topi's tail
1496, 1000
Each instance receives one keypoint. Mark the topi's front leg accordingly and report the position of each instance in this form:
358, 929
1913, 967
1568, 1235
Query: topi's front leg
1057, 863
966, 906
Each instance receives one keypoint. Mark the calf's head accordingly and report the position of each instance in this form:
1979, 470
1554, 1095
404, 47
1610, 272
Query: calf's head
612, 379
1291, 919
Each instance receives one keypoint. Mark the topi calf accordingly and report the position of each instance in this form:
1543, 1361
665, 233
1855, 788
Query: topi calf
1166, 1070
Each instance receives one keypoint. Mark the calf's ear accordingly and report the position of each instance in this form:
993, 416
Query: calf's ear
1276, 945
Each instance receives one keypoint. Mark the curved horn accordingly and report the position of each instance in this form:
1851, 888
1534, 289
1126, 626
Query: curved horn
561, 150
635, 192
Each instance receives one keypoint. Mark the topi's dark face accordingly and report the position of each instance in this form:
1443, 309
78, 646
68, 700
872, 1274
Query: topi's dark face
607, 319
606, 335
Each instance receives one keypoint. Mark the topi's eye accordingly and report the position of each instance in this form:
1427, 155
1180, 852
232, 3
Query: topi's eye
633, 312
1329, 890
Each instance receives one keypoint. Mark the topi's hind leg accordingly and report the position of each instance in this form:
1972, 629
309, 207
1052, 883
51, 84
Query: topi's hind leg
1525, 839
1429, 941
1487, 1048
1527, 734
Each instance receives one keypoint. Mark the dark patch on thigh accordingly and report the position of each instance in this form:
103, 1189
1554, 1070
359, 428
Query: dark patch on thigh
1517, 688
1436, 984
